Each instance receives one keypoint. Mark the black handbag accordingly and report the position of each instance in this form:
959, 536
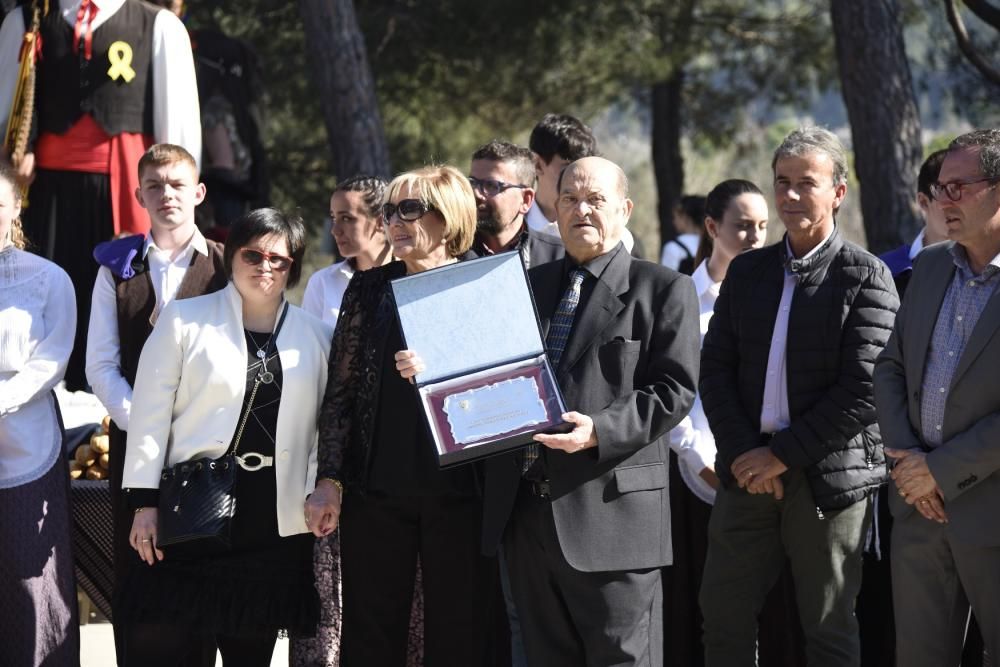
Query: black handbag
196, 504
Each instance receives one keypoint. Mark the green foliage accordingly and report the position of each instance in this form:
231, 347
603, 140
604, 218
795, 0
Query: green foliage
452, 74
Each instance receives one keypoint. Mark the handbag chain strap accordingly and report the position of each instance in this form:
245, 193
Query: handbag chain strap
246, 415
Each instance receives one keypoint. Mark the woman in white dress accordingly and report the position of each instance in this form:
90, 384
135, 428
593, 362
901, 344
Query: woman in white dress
38, 614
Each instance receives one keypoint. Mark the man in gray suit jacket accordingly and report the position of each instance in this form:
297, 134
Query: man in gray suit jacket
584, 518
939, 410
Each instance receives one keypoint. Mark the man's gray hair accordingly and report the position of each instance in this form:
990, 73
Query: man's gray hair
988, 143
809, 140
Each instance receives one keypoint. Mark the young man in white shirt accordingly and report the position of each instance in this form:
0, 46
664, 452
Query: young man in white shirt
138, 277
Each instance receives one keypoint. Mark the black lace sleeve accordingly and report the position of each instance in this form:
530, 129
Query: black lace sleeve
335, 415
347, 414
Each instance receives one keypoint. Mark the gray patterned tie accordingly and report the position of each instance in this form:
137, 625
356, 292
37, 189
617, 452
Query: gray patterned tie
555, 341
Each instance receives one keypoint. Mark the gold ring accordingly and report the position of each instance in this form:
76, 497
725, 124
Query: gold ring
147, 540
923, 501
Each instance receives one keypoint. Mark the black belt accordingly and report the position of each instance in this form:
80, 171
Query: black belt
540, 489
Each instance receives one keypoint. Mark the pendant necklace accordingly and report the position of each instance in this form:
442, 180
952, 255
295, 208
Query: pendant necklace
264, 375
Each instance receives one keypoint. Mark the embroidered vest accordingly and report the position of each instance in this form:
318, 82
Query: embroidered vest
69, 85
137, 300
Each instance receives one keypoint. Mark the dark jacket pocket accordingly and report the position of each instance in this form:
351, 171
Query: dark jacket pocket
646, 477
619, 358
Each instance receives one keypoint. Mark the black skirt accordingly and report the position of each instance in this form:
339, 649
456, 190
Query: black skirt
264, 582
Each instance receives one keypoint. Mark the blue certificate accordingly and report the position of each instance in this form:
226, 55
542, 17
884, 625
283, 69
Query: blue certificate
495, 409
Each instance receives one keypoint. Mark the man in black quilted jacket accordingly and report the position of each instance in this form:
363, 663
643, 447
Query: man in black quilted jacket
786, 381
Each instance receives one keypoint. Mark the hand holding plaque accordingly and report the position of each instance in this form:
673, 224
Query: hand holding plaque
581, 437
484, 381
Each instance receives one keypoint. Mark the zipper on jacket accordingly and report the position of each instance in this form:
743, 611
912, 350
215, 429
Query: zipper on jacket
820, 515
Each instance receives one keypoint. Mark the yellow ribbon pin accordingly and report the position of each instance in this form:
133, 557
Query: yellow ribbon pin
120, 57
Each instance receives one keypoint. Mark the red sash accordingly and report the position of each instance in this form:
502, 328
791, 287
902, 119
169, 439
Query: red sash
87, 148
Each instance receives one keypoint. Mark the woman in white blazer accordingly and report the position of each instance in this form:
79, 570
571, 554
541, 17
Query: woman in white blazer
196, 377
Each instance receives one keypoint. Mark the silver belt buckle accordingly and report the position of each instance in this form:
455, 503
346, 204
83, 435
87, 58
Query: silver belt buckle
262, 461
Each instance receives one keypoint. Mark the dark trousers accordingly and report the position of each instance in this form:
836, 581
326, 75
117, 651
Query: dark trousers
571, 618
123, 556
780, 642
751, 537
936, 579
166, 645
380, 539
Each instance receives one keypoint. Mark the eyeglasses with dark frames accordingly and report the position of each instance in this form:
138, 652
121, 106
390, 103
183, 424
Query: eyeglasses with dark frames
408, 210
491, 188
953, 189
257, 257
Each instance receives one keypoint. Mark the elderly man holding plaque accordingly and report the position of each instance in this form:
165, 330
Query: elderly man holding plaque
584, 516
378, 474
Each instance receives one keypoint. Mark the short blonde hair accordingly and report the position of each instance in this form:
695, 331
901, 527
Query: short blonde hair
446, 190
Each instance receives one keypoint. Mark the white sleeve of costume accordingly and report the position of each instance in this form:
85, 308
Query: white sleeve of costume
11, 36
104, 371
151, 417
47, 363
176, 114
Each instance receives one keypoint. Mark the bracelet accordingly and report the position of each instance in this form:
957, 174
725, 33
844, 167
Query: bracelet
336, 482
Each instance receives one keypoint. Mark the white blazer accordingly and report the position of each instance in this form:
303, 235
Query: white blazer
189, 390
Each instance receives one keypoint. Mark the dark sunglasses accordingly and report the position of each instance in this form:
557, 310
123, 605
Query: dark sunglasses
256, 257
409, 210
492, 188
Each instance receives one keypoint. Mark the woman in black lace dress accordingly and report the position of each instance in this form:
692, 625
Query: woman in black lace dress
237, 370
374, 449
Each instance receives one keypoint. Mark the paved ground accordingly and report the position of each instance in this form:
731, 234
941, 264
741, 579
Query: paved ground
97, 647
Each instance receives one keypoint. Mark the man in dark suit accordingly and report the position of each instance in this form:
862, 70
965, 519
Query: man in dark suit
584, 516
501, 176
939, 410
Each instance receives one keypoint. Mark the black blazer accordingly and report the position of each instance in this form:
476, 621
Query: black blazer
631, 364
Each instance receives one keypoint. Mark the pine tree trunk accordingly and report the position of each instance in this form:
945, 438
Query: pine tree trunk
668, 162
346, 88
885, 124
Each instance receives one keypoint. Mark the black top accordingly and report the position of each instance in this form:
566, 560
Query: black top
404, 461
255, 522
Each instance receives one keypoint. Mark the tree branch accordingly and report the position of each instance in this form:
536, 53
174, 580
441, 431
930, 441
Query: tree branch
986, 12
989, 71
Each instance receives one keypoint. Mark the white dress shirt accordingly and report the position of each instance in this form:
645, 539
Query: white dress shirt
104, 371
692, 439
325, 291
176, 115
37, 326
917, 245
774, 412
673, 255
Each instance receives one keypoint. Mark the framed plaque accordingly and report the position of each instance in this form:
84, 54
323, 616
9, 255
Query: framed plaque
487, 386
